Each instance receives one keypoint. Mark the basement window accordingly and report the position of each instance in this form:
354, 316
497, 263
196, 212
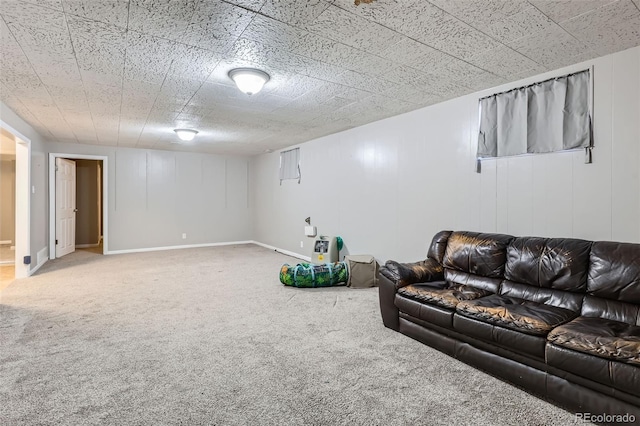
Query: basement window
290, 165
548, 116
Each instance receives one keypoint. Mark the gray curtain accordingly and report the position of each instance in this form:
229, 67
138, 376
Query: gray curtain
544, 117
290, 164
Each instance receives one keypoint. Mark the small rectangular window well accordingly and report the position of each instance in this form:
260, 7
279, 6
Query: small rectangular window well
547, 116
290, 165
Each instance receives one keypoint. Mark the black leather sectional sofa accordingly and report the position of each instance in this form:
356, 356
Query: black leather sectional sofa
557, 317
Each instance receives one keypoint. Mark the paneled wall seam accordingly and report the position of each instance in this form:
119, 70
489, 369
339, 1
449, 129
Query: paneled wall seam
613, 141
226, 183
115, 183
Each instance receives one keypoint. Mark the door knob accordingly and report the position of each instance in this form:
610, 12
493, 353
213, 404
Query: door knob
75, 210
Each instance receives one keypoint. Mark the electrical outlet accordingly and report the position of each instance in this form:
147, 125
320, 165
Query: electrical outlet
184, 236
301, 244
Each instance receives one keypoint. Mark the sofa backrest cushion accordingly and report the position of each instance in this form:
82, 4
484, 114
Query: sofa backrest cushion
548, 296
614, 271
611, 310
477, 281
557, 263
477, 253
438, 245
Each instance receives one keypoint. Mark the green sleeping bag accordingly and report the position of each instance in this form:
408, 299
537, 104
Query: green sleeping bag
308, 275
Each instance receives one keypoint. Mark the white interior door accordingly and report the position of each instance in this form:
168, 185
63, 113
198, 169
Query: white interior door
65, 206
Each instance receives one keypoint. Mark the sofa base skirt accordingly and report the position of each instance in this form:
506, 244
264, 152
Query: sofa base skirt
557, 390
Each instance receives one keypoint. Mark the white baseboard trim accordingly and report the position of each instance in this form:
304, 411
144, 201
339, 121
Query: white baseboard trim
147, 249
287, 252
43, 257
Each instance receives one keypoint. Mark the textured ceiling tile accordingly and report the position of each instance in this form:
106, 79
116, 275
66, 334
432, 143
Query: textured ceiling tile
450, 35
409, 94
17, 106
602, 28
269, 58
333, 65
114, 12
219, 43
99, 49
561, 10
320, 95
324, 71
148, 58
391, 13
57, 71
294, 12
569, 60
415, 54
32, 16
51, 4
522, 24
42, 42
353, 30
193, 62
211, 94
460, 72
599, 18
253, 5
364, 82
271, 32
177, 91
34, 97
15, 69
421, 81
20, 79
616, 38
481, 12
505, 62
161, 18
140, 90
549, 47
319, 48
312, 46
215, 25
367, 63
292, 86
484, 81
69, 98
253, 51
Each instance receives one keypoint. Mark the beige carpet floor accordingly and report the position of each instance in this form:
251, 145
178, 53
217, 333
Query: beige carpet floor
210, 337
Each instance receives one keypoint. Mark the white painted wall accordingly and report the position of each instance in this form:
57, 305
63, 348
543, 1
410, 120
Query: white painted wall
156, 196
389, 186
39, 227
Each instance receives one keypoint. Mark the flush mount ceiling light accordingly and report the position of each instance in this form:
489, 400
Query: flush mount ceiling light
186, 134
249, 80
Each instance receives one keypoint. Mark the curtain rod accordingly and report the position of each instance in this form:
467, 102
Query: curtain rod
534, 84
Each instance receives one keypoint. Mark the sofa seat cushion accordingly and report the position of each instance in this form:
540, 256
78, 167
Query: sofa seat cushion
603, 338
448, 297
517, 314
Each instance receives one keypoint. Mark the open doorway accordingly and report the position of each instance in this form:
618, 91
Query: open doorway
7, 209
15, 171
89, 205
78, 204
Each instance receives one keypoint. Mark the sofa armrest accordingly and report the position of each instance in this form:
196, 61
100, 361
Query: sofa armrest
403, 274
